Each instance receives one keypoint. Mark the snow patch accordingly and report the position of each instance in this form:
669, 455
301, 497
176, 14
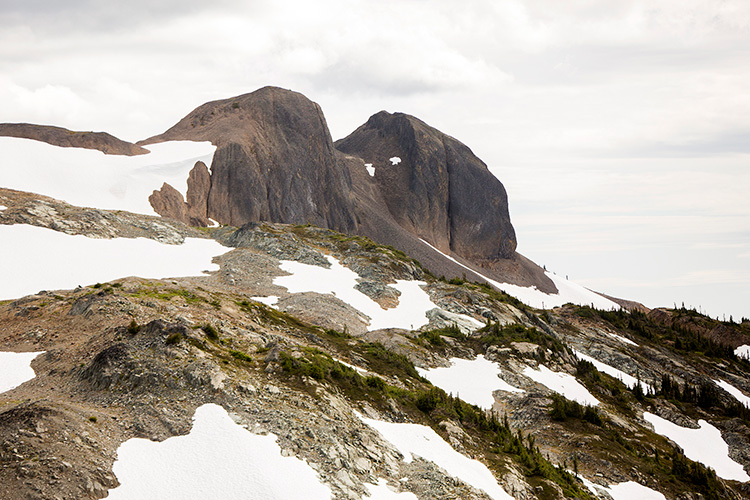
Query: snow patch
395, 160
89, 178
212, 223
15, 369
3, 207
357, 369
704, 445
339, 281
218, 459
473, 380
738, 394
370, 169
567, 291
270, 301
36, 258
626, 379
629, 490
414, 440
622, 339
381, 491
743, 351
562, 383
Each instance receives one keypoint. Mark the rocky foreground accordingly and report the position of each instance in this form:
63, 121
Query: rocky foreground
134, 358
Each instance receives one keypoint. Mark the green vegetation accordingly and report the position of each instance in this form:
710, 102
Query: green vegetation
133, 327
173, 338
210, 332
435, 337
241, 356
562, 409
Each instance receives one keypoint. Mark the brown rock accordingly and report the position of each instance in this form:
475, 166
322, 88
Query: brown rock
57, 136
168, 202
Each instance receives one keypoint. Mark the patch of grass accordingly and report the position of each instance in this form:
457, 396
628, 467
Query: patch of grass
239, 355
133, 327
92, 419
173, 339
210, 332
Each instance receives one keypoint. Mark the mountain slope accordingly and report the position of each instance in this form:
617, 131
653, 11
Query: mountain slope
135, 358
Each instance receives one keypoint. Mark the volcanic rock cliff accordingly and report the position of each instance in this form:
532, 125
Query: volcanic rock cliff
275, 161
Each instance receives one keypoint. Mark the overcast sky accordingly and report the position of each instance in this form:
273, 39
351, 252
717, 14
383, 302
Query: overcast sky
621, 129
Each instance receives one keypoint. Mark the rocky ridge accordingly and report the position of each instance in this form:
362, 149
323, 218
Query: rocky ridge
58, 136
135, 357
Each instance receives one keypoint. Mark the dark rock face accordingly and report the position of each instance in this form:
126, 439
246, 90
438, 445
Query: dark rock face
275, 160
439, 190
199, 184
57, 136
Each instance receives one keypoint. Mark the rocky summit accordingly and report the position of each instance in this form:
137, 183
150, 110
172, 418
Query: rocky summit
395, 180
311, 321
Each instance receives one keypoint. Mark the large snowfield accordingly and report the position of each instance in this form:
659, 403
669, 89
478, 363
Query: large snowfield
89, 178
562, 383
415, 440
15, 369
704, 445
218, 459
339, 281
568, 292
36, 258
473, 380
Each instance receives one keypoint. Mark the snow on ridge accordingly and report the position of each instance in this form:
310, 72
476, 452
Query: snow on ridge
704, 445
562, 383
568, 291
738, 394
743, 351
15, 369
629, 490
270, 301
370, 169
89, 178
473, 380
340, 281
622, 339
623, 377
415, 440
381, 491
217, 459
37, 258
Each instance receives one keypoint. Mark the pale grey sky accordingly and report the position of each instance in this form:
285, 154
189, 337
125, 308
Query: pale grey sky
621, 129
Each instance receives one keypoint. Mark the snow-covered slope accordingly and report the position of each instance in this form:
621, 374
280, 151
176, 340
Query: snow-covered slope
218, 459
568, 291
340, 281
89, 178
15, 369
36, 258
